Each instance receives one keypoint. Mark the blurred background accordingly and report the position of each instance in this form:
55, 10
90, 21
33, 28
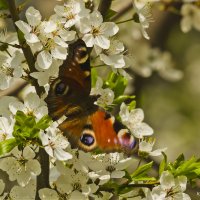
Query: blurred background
171, 98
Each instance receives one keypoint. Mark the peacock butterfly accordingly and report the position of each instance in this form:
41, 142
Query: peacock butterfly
86, 125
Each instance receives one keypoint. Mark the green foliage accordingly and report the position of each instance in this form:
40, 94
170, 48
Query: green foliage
7, 145
3, 4
117, 83
163, 164
109, 14
94, 76
140, 174
26, 127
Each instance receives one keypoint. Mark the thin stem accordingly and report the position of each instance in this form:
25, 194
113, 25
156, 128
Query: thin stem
128, 20
12, 45
123, 11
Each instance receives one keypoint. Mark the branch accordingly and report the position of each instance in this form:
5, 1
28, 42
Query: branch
104, 7
43, 178
123, 11
24, 46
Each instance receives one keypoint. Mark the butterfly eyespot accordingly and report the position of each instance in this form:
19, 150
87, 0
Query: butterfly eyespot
61, 88
87, 139
126, 139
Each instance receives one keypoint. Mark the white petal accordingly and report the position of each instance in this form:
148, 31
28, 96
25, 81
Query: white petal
141, 130
186, 24
67, 35
137, 115
28, 153
44, 59
85, 25
76, 195
96, 19
24, 177
49, 150
117, 174
60, 154
116, 61
40, 112
50, 26
34, 167
31, 37
182, 181
23, 26
88, 39
44, 138
32, 101
109, 28
33, 16
2, 186
15, 106
59, 53
102, 41
48, 194
167, 180
157, 152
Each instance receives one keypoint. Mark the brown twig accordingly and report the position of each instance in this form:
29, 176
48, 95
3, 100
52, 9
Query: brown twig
104, 7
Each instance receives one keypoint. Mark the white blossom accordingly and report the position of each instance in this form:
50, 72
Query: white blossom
11, 67
48, 194
71, 12
109, 166
97, 32
191, 17
142, 9
106, 94
24, 193
33, 105
133, 120
75, 184
21, 166
170, 188
146, 147
113, 56
54, 143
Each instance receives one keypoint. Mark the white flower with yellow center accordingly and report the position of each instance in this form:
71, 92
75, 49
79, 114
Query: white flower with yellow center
170, 188
71, 12
55, 143
133, 120
97, 32
33, 105
21, 166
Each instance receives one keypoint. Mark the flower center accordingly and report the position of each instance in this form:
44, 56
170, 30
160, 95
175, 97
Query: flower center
76, 186
110, 168
7, 70
95, 31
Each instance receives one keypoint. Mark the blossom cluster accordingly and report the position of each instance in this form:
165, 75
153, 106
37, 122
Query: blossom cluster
26, 128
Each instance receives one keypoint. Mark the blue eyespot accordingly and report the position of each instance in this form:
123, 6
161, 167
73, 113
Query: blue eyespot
87, 139
61, 88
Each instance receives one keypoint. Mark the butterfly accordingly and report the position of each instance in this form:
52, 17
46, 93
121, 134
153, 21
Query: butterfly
86, 126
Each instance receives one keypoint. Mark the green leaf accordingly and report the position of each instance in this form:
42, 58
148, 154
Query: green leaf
109, 14
122, 98
7, 145
163, 164
117, 83
132, 105
43, 123
3, 4
141, 172
179, 160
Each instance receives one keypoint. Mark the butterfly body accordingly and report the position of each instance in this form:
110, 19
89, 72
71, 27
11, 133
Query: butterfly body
86, 125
